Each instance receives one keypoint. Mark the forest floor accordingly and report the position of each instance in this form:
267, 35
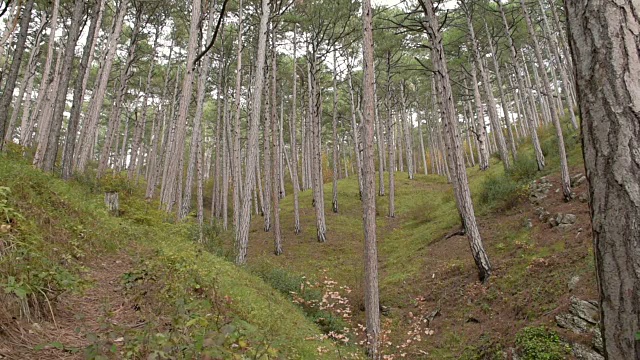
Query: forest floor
433, 305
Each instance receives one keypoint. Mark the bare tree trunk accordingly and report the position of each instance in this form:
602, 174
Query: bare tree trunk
90, 125
266, 157
521, 86
242, 232
294, 135
481, 133
7, 94
140, 125
354, 126
422, 150
236, 163
505, 108
380, 143
334, 203
80, 88
49, 148
604, 44
371, 297
315, 140
195, 152
26, 86
175, 155
564, 167
461, 184
407, 133
275, 141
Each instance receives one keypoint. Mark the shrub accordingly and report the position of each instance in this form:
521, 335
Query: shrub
524, 169
538, 343
499, 190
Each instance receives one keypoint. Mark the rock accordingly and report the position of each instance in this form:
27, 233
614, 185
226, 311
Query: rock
538, 210
573, 282
528, 224
597, 340
573, 323
565, 227
578, 180
585, 310
584, 197
568, 219
585, 353
553, 221
544, 180
544, 216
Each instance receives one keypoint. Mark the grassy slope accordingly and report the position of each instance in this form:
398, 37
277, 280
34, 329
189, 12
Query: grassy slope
415, 264
60, 230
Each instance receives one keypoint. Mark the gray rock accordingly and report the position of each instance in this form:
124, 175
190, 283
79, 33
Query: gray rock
585, 353
584, 197
573, 282
538, 210
568, 219
584, 310
565, 227
573, 323
578, 180
528, 224
544, 216
544, 180
597, 340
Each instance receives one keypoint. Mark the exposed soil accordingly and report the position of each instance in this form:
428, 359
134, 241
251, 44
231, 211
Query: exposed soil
83, 322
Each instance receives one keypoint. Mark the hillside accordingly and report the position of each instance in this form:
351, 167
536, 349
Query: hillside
83, 283
432, 303
80, 283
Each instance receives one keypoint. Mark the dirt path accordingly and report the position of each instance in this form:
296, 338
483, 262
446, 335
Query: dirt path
85, 324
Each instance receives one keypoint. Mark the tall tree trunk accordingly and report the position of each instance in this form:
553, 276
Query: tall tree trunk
521, 86
47, 158
481, 133
405, 119
315, 140
242, 232
334, 126
236, 163
391, 143
505, 108
604, 44
354, 126
80, 87
175, 155
294, 135
380, 143
371, 296
461, 184
564, 167
275, 141
90, 125
7, 94
195, 152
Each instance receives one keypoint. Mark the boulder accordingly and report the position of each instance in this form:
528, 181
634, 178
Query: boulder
585, 310
568, 219
578, 180
573, 323
585, 353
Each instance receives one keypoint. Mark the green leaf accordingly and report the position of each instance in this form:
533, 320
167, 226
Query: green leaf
58, 345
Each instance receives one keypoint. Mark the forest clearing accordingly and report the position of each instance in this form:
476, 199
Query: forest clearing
313, 179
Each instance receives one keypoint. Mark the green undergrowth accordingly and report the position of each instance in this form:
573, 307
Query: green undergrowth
197, 303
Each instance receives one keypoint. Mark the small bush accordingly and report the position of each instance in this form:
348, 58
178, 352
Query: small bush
524, 169
499, 190
538, 343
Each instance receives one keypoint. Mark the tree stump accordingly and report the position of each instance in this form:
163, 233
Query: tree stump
111, 199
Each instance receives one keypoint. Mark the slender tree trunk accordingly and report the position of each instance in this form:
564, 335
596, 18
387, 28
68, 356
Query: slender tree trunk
481, 133
354, 126
461, 184
275, 141
564, 167
80, 88
380, 143
195, 152
371, 297
175, 154
521, 86
334, 123
294, 135
90, 125
242, 233
7, 94
405, 119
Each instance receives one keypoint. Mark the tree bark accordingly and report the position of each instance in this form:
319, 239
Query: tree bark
604, 44
564, 167
461, 184
371, 296
7, 94
242, 232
